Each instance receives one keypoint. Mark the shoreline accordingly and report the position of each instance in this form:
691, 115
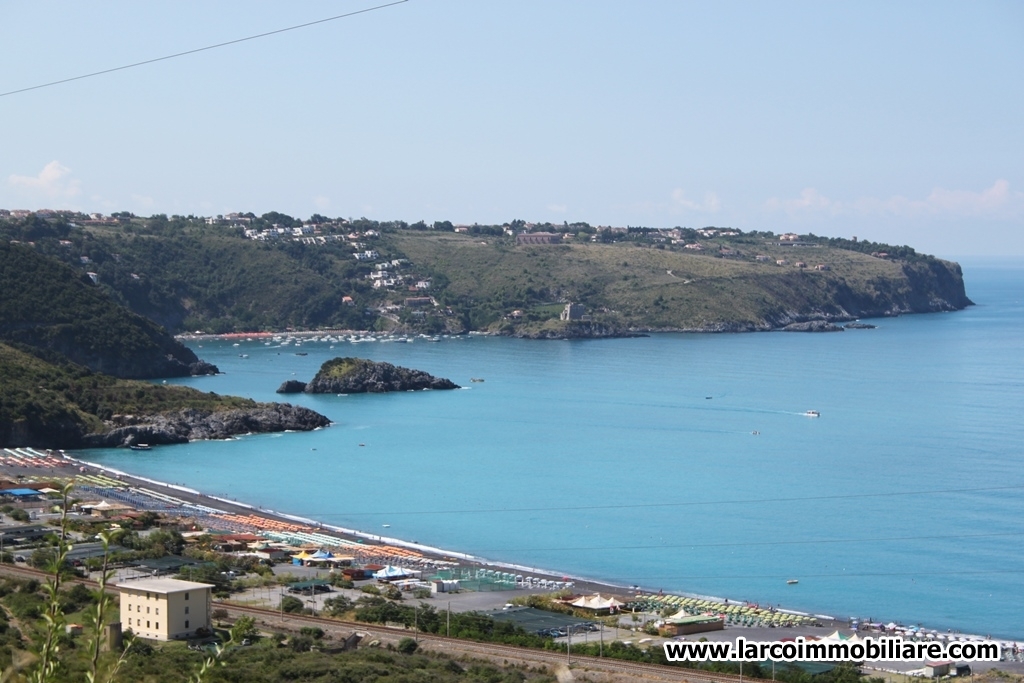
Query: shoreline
581, 583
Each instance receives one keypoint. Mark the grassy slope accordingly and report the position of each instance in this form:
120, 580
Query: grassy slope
634, 281
338, 368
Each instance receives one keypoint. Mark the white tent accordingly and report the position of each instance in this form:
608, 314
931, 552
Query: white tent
390, 572
596, 602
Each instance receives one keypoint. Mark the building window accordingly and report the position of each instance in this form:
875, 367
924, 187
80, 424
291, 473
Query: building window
129, 607
147, 609
147, 624
158, 626
186, 596
129, 621
158, 611
186, 623
186, 609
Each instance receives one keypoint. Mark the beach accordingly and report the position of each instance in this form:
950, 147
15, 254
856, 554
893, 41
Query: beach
31, 466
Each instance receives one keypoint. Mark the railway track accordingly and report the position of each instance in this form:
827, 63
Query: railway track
273, 620
457, 646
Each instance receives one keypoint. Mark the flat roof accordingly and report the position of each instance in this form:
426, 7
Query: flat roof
163, 585
309, 584
532, 619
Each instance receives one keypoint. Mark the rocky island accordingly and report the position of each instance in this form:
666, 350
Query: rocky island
360, 376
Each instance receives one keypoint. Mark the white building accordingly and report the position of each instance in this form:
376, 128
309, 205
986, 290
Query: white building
165, 609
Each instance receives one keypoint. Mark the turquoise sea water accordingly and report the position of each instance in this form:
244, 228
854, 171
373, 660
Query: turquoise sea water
636, 461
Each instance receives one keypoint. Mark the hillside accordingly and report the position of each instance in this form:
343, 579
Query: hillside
723, 288
51, 307
51, 405
363, 274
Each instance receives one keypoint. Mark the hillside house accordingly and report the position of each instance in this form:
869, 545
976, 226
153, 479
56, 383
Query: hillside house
538, 238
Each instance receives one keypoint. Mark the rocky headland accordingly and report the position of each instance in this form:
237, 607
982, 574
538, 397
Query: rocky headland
572, 329
360, 376
195, 424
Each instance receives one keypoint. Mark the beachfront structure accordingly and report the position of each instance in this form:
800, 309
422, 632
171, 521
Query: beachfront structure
682, 624
165, 609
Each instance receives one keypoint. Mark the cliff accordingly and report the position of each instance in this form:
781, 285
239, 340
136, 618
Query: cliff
358, 376
192, 424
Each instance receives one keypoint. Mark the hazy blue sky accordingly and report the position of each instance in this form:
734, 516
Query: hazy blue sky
901, 122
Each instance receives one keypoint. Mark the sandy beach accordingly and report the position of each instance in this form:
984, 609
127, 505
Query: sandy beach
30, 466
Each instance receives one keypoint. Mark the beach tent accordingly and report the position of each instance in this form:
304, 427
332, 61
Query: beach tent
301, 557
321, 555
390, 573
596, 602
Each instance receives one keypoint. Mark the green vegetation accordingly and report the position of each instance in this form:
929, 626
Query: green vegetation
34, 645
337, 368
188, 275
51, 307
54, 405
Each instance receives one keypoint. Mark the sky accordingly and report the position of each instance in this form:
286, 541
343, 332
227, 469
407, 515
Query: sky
895, 122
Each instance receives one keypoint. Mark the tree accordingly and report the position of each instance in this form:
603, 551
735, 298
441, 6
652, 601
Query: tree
244, 629
337, 606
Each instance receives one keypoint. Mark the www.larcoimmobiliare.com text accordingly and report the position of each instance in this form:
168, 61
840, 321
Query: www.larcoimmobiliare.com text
801, 650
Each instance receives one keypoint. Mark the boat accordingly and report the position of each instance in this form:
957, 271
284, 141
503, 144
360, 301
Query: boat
476, 379
792, 581
301, 353
140, 447
812, 413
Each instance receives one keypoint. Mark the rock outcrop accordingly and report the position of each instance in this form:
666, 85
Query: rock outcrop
813, 326
191, 425
571, 330
291, 386
359, 376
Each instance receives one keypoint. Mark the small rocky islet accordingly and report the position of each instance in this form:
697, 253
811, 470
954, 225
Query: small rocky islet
362, 376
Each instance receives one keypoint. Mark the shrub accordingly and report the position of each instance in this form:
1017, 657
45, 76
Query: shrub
291, 605
407, 646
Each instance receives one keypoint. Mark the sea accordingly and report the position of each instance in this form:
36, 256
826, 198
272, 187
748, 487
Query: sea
675, 462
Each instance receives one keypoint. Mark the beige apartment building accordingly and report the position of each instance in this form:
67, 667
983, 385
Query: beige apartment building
164, 609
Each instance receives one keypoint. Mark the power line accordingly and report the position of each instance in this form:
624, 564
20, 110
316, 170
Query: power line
202, 49
689, 503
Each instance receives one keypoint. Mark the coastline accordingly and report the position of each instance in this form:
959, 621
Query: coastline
202, 501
